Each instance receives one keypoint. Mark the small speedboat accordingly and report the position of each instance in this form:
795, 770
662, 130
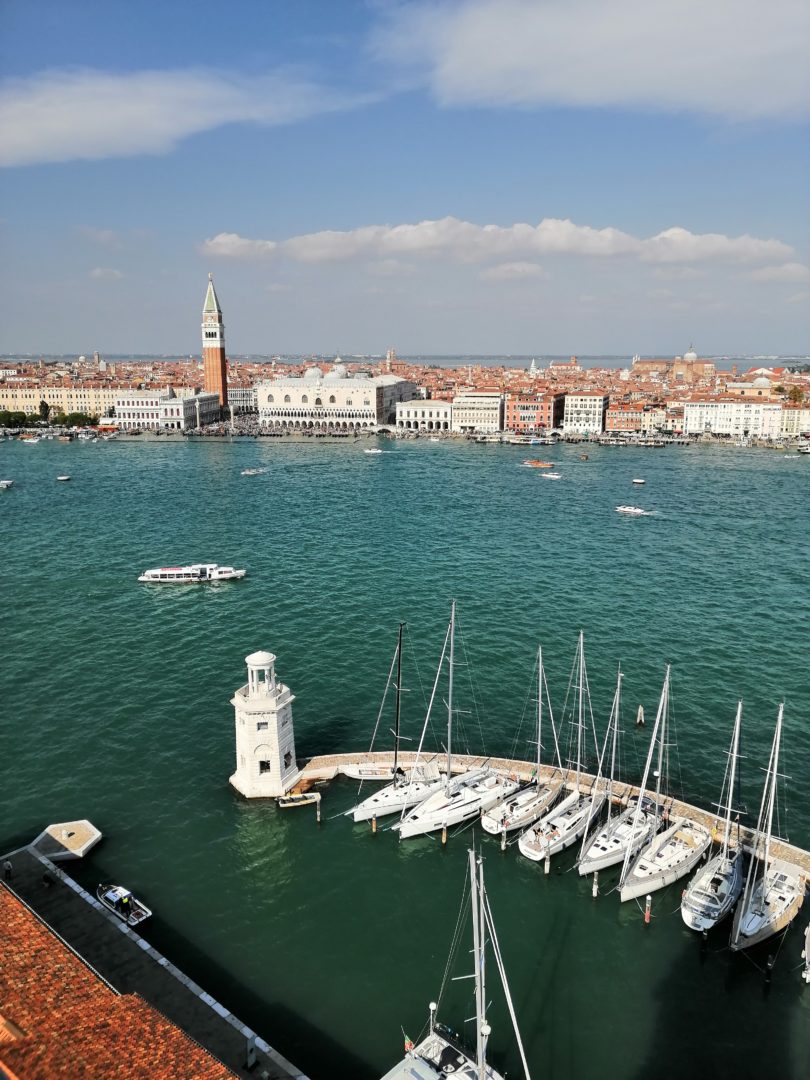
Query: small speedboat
303, 798
536, 463
187, 575
373, 450
63, 478
637, 481
551, 476
633, 511
252, 472
122, 904
6, 484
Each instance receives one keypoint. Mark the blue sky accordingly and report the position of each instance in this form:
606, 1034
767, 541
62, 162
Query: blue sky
524, 176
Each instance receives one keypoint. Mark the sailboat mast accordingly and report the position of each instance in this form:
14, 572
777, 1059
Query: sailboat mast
579, 705
735, 748
772, 792
664, 710
616, 707
539, 708
399, 696
479, 927
450, 697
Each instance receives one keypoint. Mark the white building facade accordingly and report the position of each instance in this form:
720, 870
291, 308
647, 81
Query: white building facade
333, 402
584, 413
418, 415
159, 410
733, 417
795, 420
477, 411
265, 743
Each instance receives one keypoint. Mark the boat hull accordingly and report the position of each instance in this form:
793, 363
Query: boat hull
469, 796
773, 905
670, 856
610, 846
562, 827
713, 892
521, 809
395, 798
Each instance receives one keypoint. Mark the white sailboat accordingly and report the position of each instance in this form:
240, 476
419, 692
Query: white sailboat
530, 802
621, 830
774, 888
565, 823
462, 797
675, 851
442, 1053
716, 888
409, 788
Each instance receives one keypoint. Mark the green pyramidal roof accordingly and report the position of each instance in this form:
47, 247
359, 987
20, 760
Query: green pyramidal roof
211, 305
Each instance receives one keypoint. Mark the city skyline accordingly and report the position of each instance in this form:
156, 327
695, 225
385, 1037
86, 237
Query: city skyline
469, 178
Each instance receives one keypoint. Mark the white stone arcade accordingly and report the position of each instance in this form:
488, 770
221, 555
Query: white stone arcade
265, 744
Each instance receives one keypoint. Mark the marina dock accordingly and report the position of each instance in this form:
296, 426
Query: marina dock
329, 766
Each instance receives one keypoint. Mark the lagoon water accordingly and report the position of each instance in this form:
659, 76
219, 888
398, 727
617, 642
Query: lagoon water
331, 941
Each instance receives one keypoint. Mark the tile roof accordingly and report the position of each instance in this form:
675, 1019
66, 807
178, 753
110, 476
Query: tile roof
64, 1019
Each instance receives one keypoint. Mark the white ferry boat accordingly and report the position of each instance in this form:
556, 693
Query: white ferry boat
186, 575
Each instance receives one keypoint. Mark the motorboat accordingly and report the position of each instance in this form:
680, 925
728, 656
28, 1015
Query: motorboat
252, 472
536, 463
122, 904
63, 478
442, 1053
639, 481
372, 450
299, 798
716, 888
194, 574
551, 476
5, 484
633, 511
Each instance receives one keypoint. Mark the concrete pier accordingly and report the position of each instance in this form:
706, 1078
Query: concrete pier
329, 766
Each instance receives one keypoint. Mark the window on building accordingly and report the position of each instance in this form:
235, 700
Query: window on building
331, 399
264, 767
261, 725
305, 400
287, 759
286, 399
270, 397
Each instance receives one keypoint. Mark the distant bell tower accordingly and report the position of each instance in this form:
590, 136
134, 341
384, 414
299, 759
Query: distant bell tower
215, 366
265, 744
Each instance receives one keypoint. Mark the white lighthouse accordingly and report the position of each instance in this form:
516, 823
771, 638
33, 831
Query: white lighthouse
265, 743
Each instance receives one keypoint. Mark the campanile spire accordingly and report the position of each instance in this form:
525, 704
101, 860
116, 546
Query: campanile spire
215, 364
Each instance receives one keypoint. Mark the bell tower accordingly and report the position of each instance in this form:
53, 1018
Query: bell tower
215, 366
265, 744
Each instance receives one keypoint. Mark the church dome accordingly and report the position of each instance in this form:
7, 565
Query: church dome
690, 354
762, 382
313, 373
338, 372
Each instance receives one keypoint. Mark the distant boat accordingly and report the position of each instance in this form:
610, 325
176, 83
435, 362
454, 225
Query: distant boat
186, 575
637, 481
122, 904
535, 463
303, 798
551, 476
6, 484
63, 478
252, 472
373, 450
634, 511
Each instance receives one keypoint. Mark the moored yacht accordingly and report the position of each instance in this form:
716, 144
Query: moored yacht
186, 575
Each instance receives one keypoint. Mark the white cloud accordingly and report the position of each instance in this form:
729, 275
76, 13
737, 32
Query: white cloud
788, 272
103, 237
65, 115
514, 271
105, 273
464, 241
733, 58
391, 268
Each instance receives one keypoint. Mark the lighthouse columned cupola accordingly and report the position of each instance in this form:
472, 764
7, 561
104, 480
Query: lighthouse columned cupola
215, 365
265, 743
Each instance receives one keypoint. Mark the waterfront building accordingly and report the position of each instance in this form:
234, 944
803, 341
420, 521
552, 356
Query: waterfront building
419, 415
795, 421
215, 364
332, 402
733, 417
585, 412
534, 412
624, 417
165, 410
478, 411
242, 399
265, 742
93, 400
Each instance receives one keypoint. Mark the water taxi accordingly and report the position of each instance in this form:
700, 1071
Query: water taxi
122, 904
186, 575
535, 463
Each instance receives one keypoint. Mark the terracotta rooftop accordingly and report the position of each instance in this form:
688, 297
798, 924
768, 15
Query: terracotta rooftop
57, 1017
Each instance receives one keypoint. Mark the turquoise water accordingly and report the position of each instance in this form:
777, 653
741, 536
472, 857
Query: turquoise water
115, 706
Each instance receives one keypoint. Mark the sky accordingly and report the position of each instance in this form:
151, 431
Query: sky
440, 176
